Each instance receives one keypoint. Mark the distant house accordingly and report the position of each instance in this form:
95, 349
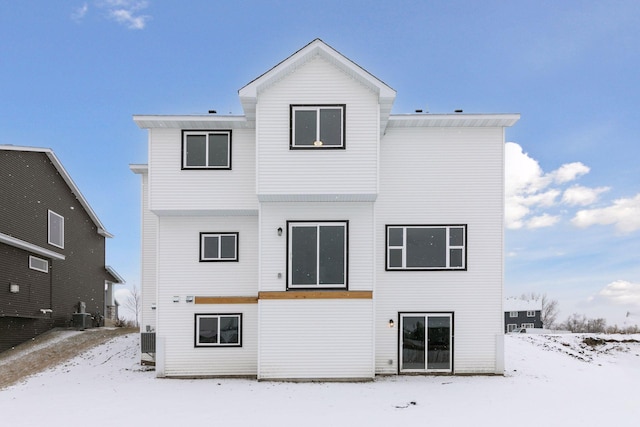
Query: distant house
319, 236
519, 313
52, 248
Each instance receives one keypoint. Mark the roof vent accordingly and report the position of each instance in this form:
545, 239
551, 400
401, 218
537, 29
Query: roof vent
213, 112
418, 111
457, 111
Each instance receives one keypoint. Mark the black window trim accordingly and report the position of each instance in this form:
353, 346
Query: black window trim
344, 287
195, 327
219, 233
323, 147
183, 143
386, 247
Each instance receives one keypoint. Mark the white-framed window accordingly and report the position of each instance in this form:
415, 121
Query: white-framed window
426, 247
218, 330
527, 325
513, 314
56, 229
206, 149
531, 313
218, 247
511, 327
317, 254
317, 126
38, 264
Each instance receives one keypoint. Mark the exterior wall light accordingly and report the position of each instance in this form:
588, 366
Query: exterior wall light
391, 323
279, 231
14, 288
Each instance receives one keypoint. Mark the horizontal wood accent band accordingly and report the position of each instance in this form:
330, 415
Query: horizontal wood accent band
316, 295
226, 300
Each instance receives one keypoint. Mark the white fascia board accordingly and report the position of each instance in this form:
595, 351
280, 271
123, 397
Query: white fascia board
115, 275
30, 247
139, 169
195, 122
67, 178
453, 120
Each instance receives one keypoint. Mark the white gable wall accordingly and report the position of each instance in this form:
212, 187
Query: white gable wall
461, 177
320, 171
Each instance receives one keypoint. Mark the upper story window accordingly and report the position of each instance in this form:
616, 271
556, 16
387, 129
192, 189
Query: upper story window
513, 314
206, 149
218, 246
426, 247
531, 313
317, 254
38, 264
317, 126
56, 230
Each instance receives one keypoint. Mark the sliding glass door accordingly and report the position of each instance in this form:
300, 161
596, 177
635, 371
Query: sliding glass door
426, 342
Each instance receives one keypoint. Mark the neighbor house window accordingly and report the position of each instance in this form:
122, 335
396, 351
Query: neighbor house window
426, 247
218, 330
206, 150
317, 254
317, 126
56, 229
513, 314
531, 313
511, 327
527, 325
218, 246
38, 264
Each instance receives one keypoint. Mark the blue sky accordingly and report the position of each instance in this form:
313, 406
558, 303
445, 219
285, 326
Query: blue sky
72, 73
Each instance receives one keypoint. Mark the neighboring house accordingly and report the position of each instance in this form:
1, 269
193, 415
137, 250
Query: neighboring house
110, 304
52, 247
519, 313
319, 236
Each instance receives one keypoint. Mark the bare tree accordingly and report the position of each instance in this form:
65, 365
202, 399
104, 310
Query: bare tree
133, 302
582, 324
549, 313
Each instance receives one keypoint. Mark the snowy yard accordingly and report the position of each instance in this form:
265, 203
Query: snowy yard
550, 381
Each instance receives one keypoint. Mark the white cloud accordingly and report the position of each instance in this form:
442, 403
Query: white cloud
544, 220
528, 189
621, 292
582, 196
80, 12
623, 213
126, 12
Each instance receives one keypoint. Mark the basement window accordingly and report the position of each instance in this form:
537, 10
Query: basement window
38, 264
218, 330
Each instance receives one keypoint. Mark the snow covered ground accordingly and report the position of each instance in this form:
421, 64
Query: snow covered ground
550, 381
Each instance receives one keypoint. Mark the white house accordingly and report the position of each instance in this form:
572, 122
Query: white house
319, 236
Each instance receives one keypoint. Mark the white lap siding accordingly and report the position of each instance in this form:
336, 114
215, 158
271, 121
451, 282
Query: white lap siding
181, 274
440, 176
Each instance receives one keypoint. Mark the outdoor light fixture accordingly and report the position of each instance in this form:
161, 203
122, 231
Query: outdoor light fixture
279, 231
391, 323
176, 298
14, 288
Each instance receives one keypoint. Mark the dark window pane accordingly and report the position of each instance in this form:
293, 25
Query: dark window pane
426, 247
218, 149
228, 244
208, 332
196, 150
456, 236
305, 127
55, 230
395, 236
455, 258
331, 126
332, 254
210, 247
229, 330
439, 343
395, 258
413, 343
304, 256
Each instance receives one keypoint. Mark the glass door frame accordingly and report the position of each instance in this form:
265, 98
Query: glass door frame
426, 315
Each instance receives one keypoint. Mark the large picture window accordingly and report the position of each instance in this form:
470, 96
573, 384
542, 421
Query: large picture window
206, 149
56, 230
317, 254
317, 126
426, 247
218, 246
218, 330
